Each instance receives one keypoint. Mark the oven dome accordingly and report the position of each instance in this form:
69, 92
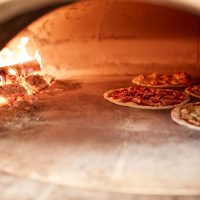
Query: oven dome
106, 37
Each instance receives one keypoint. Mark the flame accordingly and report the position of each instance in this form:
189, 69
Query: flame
12, 72
29, 92
7, 56
18, 55
23, 54
3, 100
38, 58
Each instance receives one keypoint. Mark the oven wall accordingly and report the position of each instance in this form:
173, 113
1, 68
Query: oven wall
115, 37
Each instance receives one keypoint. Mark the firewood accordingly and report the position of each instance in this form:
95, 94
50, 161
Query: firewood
36, 83
11, 73
11, 93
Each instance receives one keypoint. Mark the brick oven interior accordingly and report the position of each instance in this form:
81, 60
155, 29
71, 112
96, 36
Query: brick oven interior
70, 136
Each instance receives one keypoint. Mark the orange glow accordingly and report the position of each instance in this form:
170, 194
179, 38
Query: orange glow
23, 54
38, 58
17, 56
7, 56
12, 72
3, 100
29, 92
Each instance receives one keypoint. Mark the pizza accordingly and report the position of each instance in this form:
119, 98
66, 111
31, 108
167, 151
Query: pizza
193, 90
147, 98
179, 79
187, 115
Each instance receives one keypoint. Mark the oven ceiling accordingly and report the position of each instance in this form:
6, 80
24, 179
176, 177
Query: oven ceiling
192, 6
11, 8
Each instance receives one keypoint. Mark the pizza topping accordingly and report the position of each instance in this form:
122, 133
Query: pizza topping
180, 77
154, 79
194, 89
191, 113
137, 100
148, 96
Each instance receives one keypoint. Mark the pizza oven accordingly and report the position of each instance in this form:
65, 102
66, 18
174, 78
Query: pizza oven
69, 136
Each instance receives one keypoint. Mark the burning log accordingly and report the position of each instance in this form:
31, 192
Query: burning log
11, 93
36, 83
12, 73
19, 81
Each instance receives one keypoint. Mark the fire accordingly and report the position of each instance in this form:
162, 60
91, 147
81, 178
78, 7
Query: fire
19, 74
38, 58
23, 54
7, 56
3, 101
12, 72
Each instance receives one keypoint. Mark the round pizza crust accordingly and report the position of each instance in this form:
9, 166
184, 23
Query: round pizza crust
191, 93
135, 105
175, 115
161, 86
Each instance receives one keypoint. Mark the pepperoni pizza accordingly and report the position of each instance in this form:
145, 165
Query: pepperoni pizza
193, 90
147, 98
187, 115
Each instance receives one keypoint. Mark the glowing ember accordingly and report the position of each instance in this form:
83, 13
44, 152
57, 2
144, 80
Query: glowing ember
3, 101
12, 72
38, 58
2, 79
6, 57
11, 93
36, 83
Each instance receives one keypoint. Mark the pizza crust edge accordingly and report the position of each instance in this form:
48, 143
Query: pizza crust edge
175, 115
135, 105
160, 86
191, 93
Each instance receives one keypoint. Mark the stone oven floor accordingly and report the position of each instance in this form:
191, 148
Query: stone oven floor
72, 137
